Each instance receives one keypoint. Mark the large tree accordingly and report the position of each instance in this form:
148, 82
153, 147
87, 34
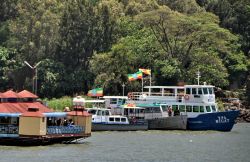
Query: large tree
85, 28
184, 38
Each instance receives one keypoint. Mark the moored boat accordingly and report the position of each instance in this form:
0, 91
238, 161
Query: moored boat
195, 101
159, 116
103, 120
26, 121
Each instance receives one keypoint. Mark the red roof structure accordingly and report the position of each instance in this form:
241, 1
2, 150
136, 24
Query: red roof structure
26, 94
21, 107
10, 94
78, 113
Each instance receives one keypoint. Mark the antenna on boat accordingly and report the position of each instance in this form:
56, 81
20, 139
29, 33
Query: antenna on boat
198, 77
123, 86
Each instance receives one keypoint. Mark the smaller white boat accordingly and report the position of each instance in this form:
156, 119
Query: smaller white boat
103, 120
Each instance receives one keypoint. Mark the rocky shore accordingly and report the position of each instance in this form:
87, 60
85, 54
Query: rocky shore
244, 115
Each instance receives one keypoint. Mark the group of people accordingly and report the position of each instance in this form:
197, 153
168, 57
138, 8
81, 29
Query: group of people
60, 122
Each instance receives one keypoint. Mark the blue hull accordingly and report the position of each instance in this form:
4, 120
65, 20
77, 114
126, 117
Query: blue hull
220, 121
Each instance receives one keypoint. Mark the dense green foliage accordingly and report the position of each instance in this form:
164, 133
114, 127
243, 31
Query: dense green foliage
83, 44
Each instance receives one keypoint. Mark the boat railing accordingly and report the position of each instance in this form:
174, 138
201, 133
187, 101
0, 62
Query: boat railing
144, 95
8, 129
74, 129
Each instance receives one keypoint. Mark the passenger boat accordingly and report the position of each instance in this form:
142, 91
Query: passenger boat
103, 120
159, 116
26, 121
195, 101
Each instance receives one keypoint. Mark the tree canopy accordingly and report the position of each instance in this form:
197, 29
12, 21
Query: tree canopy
84, 44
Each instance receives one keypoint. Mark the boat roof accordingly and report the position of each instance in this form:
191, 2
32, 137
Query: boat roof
26, 94
21, 107
94, 101
97, 108
10, 94
119, 97
165, 87
10, 114
117, 116
127, 106
178, 87
55, 114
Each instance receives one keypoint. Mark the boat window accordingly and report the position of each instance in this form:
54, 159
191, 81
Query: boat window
92, 112
205, 91
210, 90
182, 108
188, 90
199, 91
103, 113
201, 108
195, 108
148, 110
111, 119
157, 109
117, 119
213, 108
194, 91
99, 112
113, 101
121, 101
189, 108
123, 119
107, 113
164, 108
4, 120
208, 109
131, 111
175, 107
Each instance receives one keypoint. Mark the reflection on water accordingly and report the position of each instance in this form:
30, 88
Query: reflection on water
143, 146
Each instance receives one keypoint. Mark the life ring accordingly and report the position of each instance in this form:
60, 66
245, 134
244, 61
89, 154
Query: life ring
186, 97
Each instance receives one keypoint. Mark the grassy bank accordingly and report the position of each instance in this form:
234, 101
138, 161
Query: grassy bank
59, 104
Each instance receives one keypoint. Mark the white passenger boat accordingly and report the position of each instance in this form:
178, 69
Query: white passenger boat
195, 101
103, 120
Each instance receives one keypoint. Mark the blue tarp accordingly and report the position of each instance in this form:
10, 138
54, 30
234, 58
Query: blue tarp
10, 114
55, 114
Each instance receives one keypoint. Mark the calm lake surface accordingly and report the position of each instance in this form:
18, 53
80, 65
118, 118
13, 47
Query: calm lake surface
179, 146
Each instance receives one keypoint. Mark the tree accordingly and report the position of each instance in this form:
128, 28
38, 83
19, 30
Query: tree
183, 38
81, 33
34, 31
9, 66
137, 49
185, 7
50, 79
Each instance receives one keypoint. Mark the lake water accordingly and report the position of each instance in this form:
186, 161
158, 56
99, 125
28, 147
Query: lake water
175, 146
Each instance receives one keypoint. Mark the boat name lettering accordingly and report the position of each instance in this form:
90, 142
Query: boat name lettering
222, 119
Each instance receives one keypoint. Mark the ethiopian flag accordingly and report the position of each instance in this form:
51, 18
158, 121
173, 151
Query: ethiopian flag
145, 71
95, 92
135, 76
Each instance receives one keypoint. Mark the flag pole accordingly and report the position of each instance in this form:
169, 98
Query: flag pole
142, 84
150, 82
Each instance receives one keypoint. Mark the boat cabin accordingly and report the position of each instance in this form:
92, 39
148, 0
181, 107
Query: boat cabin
102, 115
166, 94
114, 103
